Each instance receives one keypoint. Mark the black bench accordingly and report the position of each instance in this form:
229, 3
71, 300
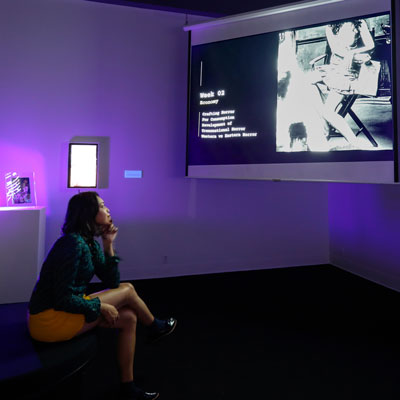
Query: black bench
31, 370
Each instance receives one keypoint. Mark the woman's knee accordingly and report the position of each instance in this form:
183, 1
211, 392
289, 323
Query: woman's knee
128, 287
127, 317
129, 291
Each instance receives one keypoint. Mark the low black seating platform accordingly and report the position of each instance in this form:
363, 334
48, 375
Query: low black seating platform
31, 370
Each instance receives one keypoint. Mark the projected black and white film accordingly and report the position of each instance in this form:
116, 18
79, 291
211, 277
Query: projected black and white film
334, 87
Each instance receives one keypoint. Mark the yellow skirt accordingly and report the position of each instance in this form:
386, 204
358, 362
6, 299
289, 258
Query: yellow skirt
55, 326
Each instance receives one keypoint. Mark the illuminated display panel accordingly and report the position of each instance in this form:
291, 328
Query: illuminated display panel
82, 165
262, 96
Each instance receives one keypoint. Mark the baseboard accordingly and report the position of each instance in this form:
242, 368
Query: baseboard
381, 279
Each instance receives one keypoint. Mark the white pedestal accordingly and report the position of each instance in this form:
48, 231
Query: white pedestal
22, 236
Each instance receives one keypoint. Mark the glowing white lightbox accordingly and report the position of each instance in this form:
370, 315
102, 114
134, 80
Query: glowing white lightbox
82, 165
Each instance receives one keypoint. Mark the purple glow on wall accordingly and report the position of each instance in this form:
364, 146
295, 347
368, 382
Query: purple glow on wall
19, 158
75, 88
364, 222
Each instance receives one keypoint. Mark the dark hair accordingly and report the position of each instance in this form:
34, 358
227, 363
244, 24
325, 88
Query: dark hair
81, 213
336, 26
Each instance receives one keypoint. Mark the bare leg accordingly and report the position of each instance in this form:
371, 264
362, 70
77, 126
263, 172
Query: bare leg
126, 296
126, 323
336, 120
131, 308
126, 343
327, 110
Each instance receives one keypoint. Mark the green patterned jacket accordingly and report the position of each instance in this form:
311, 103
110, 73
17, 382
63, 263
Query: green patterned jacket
69, 267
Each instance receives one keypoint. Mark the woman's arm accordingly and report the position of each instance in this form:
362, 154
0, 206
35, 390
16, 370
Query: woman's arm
106, 264
366, 38
108, 238
68, 260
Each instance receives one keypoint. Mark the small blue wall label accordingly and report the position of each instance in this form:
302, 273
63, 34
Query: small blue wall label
133, 174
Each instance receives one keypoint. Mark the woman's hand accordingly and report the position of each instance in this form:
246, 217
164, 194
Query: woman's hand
109, 313
109, 233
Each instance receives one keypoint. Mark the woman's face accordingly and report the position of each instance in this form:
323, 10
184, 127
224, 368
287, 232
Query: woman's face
103, 216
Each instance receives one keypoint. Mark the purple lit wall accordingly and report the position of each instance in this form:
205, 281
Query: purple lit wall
364, 231
75, 68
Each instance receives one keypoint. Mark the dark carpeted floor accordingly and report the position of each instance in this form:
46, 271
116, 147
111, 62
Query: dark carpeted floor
312, 333
293, 333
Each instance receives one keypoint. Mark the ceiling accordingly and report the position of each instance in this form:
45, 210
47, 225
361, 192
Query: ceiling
212, 8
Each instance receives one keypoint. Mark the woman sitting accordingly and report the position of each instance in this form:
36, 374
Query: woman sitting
60, 309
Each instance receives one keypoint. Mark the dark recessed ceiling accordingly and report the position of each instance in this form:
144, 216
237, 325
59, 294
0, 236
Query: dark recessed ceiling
214, 8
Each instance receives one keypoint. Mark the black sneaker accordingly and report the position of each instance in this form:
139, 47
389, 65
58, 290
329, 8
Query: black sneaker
155, 334
138, 394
